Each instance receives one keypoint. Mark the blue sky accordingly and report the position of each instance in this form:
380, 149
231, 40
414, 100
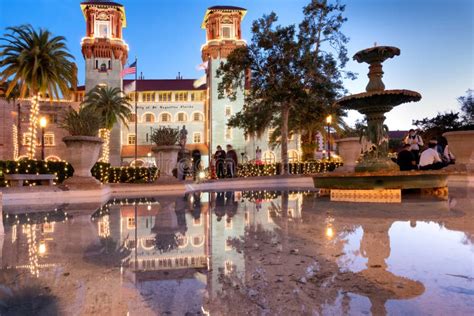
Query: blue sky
436, 39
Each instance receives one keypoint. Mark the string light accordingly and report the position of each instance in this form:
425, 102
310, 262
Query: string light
34, 114
105, 135
15, 142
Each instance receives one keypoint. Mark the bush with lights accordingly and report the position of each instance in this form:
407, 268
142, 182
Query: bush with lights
62, 170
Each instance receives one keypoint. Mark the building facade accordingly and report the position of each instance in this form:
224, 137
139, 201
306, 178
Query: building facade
160, 102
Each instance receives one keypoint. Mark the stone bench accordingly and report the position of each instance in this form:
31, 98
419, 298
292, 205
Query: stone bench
18, 179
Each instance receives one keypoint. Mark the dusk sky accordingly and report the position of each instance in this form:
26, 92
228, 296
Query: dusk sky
435, 37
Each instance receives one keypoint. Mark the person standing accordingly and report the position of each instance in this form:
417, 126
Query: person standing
258, 156
196, 154
219, 157
231, 161
405, 159
416, 142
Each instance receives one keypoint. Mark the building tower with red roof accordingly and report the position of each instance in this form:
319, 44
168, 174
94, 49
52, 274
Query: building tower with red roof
103, 47
223, 34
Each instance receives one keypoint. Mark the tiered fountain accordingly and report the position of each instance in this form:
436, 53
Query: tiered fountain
376, 177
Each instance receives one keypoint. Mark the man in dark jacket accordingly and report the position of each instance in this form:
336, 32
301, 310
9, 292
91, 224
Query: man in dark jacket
231, 161
219, 156
405, 159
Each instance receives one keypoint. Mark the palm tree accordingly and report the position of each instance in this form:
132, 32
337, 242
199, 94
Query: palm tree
113, 106
40, 64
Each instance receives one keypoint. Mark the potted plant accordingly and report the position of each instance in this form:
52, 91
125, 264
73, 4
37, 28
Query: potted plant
166, 149
349, 149
83, 145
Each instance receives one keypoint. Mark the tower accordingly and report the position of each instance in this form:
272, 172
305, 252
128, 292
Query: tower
223, 35
103, 48
105, 54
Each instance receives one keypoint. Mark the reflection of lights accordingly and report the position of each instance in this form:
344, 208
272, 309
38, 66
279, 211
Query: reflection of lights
42, 247
329, 232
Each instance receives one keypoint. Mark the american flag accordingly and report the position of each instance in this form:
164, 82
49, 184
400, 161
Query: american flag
132, 69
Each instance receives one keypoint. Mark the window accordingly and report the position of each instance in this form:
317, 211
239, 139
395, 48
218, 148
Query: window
182, 117
228, 111
102, 28
164, 97
197, 96
96, 64
49, 139
197, 138
110, 65
133, 96
228, 133
226, 31
293, 156
26, 139
130, 222
166, 117
148, 97
131, 139
269, 157
149, 118
181, 96
132, 118
198, 117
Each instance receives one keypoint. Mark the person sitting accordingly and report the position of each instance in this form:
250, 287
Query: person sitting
405, 159
443, 150
430, 159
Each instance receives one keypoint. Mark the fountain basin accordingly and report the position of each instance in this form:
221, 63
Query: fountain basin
378, 101
381, 187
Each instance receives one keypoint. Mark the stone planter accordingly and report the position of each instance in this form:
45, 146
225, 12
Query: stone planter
166, 158
82, 154
349, 149
461, 144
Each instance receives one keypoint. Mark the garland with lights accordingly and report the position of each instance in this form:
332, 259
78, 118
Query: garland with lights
308, 167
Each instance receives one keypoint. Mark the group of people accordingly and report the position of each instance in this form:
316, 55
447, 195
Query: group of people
225, 162
435, 157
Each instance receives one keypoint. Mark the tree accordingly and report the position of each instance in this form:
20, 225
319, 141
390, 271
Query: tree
112, 106
324, 58
467, 106
40, 64
276, 80
293, 82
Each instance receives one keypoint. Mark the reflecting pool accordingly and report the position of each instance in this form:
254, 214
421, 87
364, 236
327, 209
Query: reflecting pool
234, 253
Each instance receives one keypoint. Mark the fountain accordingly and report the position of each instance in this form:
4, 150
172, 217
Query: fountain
376, 178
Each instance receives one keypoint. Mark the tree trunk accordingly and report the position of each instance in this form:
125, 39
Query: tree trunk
104, 133
285, 111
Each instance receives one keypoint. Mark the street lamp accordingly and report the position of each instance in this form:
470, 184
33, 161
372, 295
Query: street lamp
328, 121
43, 123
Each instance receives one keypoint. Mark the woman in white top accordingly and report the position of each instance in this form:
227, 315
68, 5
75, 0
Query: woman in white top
416, 142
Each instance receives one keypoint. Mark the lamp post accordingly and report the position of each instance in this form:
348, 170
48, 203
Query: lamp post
328, 121
43, 123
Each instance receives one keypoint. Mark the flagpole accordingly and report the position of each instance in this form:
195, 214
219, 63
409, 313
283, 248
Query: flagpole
136, 114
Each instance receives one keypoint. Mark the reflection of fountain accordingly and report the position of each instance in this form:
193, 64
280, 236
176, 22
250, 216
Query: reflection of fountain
375, 246
374, 103
377, 178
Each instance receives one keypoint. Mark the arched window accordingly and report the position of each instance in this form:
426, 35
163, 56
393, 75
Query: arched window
53, 158
197, 117
268, 157
148, 118
293, 156
165, 117
181, 117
